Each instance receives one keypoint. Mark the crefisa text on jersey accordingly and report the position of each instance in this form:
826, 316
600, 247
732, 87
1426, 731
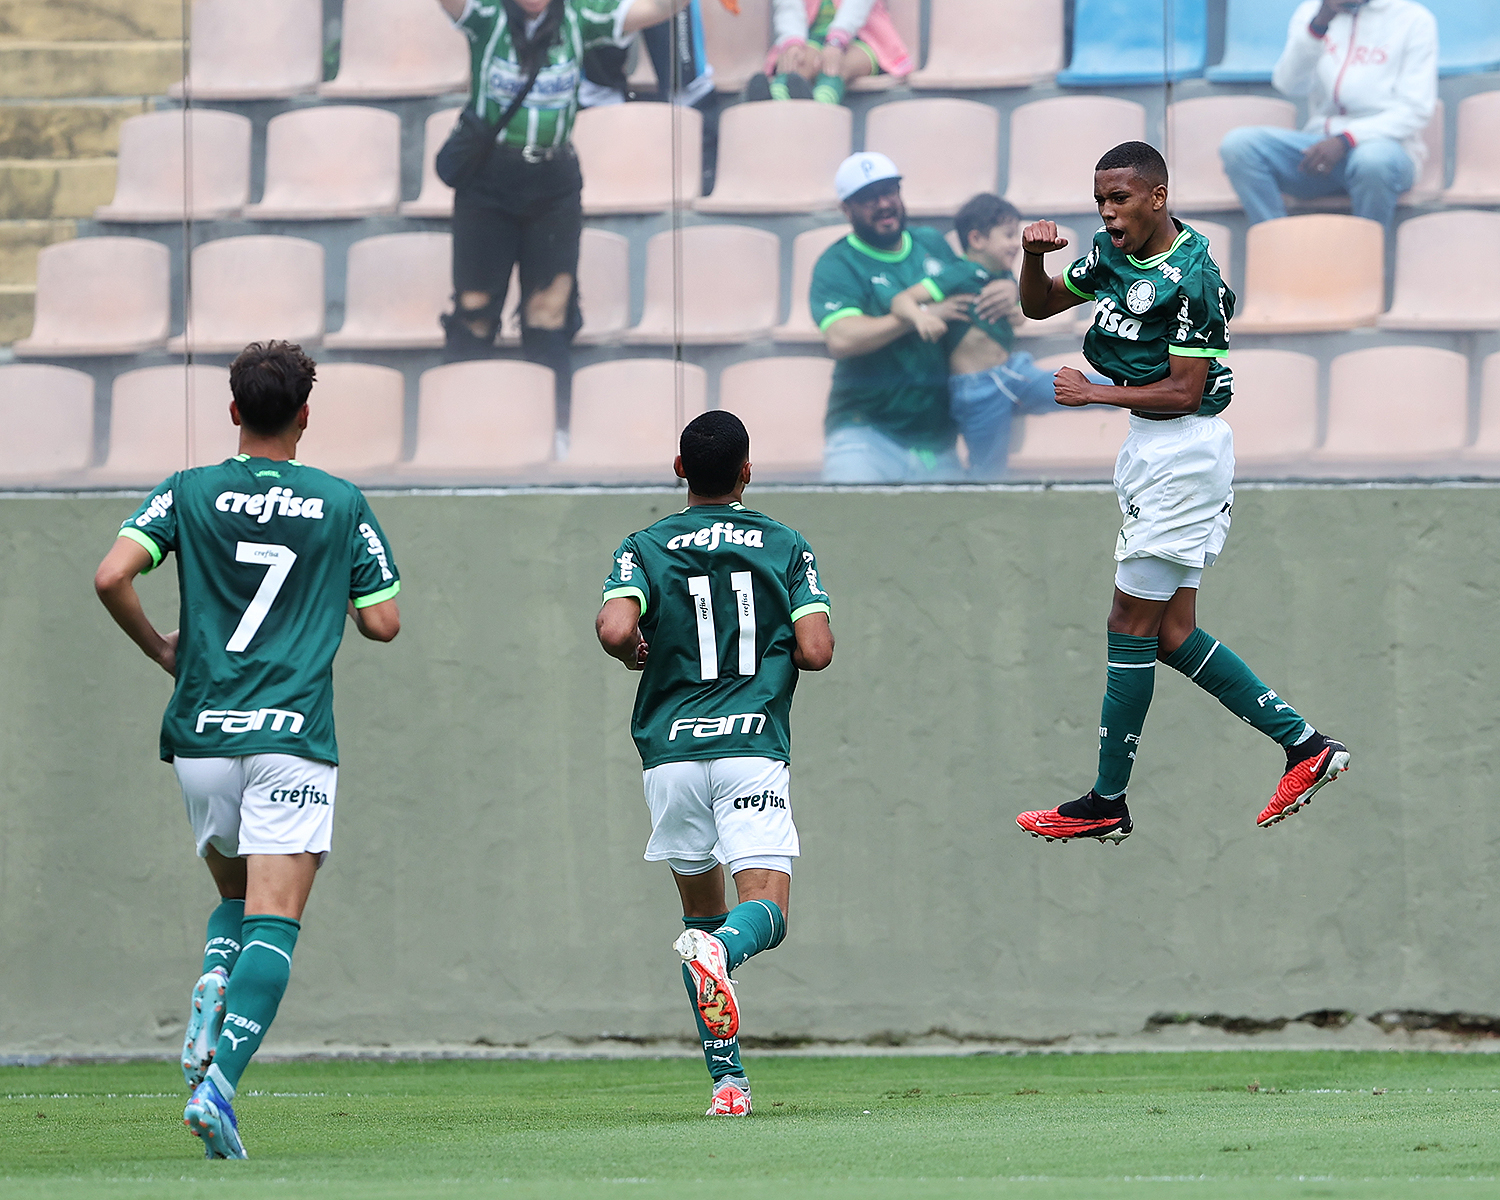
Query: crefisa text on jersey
710, 537
279, 501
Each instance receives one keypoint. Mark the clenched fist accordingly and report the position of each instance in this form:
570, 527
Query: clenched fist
1040, 237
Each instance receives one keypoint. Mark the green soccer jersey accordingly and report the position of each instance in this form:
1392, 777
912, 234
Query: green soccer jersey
269, 555
1146, 310
967, 278
902, 388
496, 77
720, 587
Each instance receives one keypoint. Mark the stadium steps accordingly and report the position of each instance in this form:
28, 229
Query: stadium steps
20, 241
91, 20
48, 70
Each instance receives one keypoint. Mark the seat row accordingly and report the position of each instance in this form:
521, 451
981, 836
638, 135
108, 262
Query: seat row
344, 161
393, 48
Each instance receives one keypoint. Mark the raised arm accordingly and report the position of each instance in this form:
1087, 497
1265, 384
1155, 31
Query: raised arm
114, 583
814, 642
618, 627
1043, 295
642, 14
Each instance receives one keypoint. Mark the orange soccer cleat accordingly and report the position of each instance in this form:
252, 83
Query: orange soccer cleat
1090, 816
708, 964
1309, 766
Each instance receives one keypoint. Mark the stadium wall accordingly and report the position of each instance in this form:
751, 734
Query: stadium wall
487, 886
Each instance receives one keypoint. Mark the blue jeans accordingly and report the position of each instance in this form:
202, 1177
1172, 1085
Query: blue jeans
862, 454
983, 404
1263, 163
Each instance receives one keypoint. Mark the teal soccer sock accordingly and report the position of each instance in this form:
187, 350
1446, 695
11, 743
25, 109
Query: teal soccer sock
221, 946
780, 89
721, 1055
1127, 697
749, 928
828, 89
254, 994
1221, 673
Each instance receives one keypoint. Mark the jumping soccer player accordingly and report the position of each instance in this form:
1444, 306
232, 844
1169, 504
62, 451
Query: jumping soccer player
730, 604
270, 556
1161, 316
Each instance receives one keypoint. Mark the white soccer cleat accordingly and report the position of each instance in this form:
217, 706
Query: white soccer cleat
714, 990
731, 1097
204, 1023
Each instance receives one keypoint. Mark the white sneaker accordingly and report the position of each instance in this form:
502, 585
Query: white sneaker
204, 1023
714, 990
731, 1097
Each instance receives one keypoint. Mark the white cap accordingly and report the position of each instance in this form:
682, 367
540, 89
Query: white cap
859, 171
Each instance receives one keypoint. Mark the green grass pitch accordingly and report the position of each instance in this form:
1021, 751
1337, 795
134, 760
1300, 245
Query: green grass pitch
1365, 1125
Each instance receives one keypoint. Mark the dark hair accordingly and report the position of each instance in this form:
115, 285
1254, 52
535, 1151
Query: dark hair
980, 215
270, 381
714, 447
530, 50
1141, 157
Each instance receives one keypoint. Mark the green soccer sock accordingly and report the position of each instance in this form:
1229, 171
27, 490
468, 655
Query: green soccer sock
221, 946
749, 928
1127, 697
828, 89
254, 994
721, 1055
1221, 673
779, 88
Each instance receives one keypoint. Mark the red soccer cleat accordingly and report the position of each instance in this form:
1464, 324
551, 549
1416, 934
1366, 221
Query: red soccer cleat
1308, 767
709, 966
1090, 816
731, 1098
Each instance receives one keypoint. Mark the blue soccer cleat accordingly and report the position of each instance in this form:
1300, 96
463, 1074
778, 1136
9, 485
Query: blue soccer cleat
204, 1023
209, 1116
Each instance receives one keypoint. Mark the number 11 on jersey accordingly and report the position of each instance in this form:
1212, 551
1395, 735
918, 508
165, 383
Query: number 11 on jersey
708, 635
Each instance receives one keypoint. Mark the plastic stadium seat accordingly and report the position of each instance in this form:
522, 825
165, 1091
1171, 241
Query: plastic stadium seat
948, 150
397, 286
758, 175
983, 44
436, 197
1194, 130
1254, 34
105, 295
1476, 165
1310, 274
1487, 444
1085, 439
149, 423
150, 177
626, 422
259, 51
1220, 245
1428, 188
1397, 404
736, 45
483, 419
1055, 143
357, 413
807, 248
625, 151
332, 161
395, 48
1074, 319
250, 289
1121, 42
782, 402
1446, 264
730, 279
1274, 413
603, 285
48, 415
1468, 35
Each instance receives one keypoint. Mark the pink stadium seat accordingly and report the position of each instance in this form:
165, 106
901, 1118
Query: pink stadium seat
1194, 130
948, 150
396, 48
150, 177
397, 286
758, 175
807, 248
480, 420
1055, 143
626, 153
603, 285
436, 197
1085, 439
1446, 264
157, 414
332, 161
906, 16
259, 51
48, 416
1393, 405
985, 44
1487, 444
250, 289
626, 418
355, 420
1056, 262
1428, 189
103, 295
1220, 245
1274, 413
730, 278
1312, 273
1476, 164
782, 402
736, 45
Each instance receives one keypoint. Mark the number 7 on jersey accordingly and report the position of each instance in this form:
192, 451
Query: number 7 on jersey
279, 559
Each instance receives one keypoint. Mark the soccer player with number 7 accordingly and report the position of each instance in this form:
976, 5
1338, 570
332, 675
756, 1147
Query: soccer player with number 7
271, 556
719, 607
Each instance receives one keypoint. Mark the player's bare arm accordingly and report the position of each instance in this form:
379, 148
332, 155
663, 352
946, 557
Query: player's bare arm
643, 14
814, 650
1180, 392
856, 334
379, 622
1043, 295
618, 628
114, 583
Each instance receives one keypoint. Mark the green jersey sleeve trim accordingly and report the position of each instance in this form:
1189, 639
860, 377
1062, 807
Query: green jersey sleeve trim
808, 609
1196, 352
628, 591
377, 597
146, 540
838, 316
933, 290
1069, 283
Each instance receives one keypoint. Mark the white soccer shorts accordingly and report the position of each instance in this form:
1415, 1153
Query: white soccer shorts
723, 809
259, 803
1174, 481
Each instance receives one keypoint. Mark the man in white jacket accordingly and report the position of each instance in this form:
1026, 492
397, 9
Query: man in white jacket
1369, 71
